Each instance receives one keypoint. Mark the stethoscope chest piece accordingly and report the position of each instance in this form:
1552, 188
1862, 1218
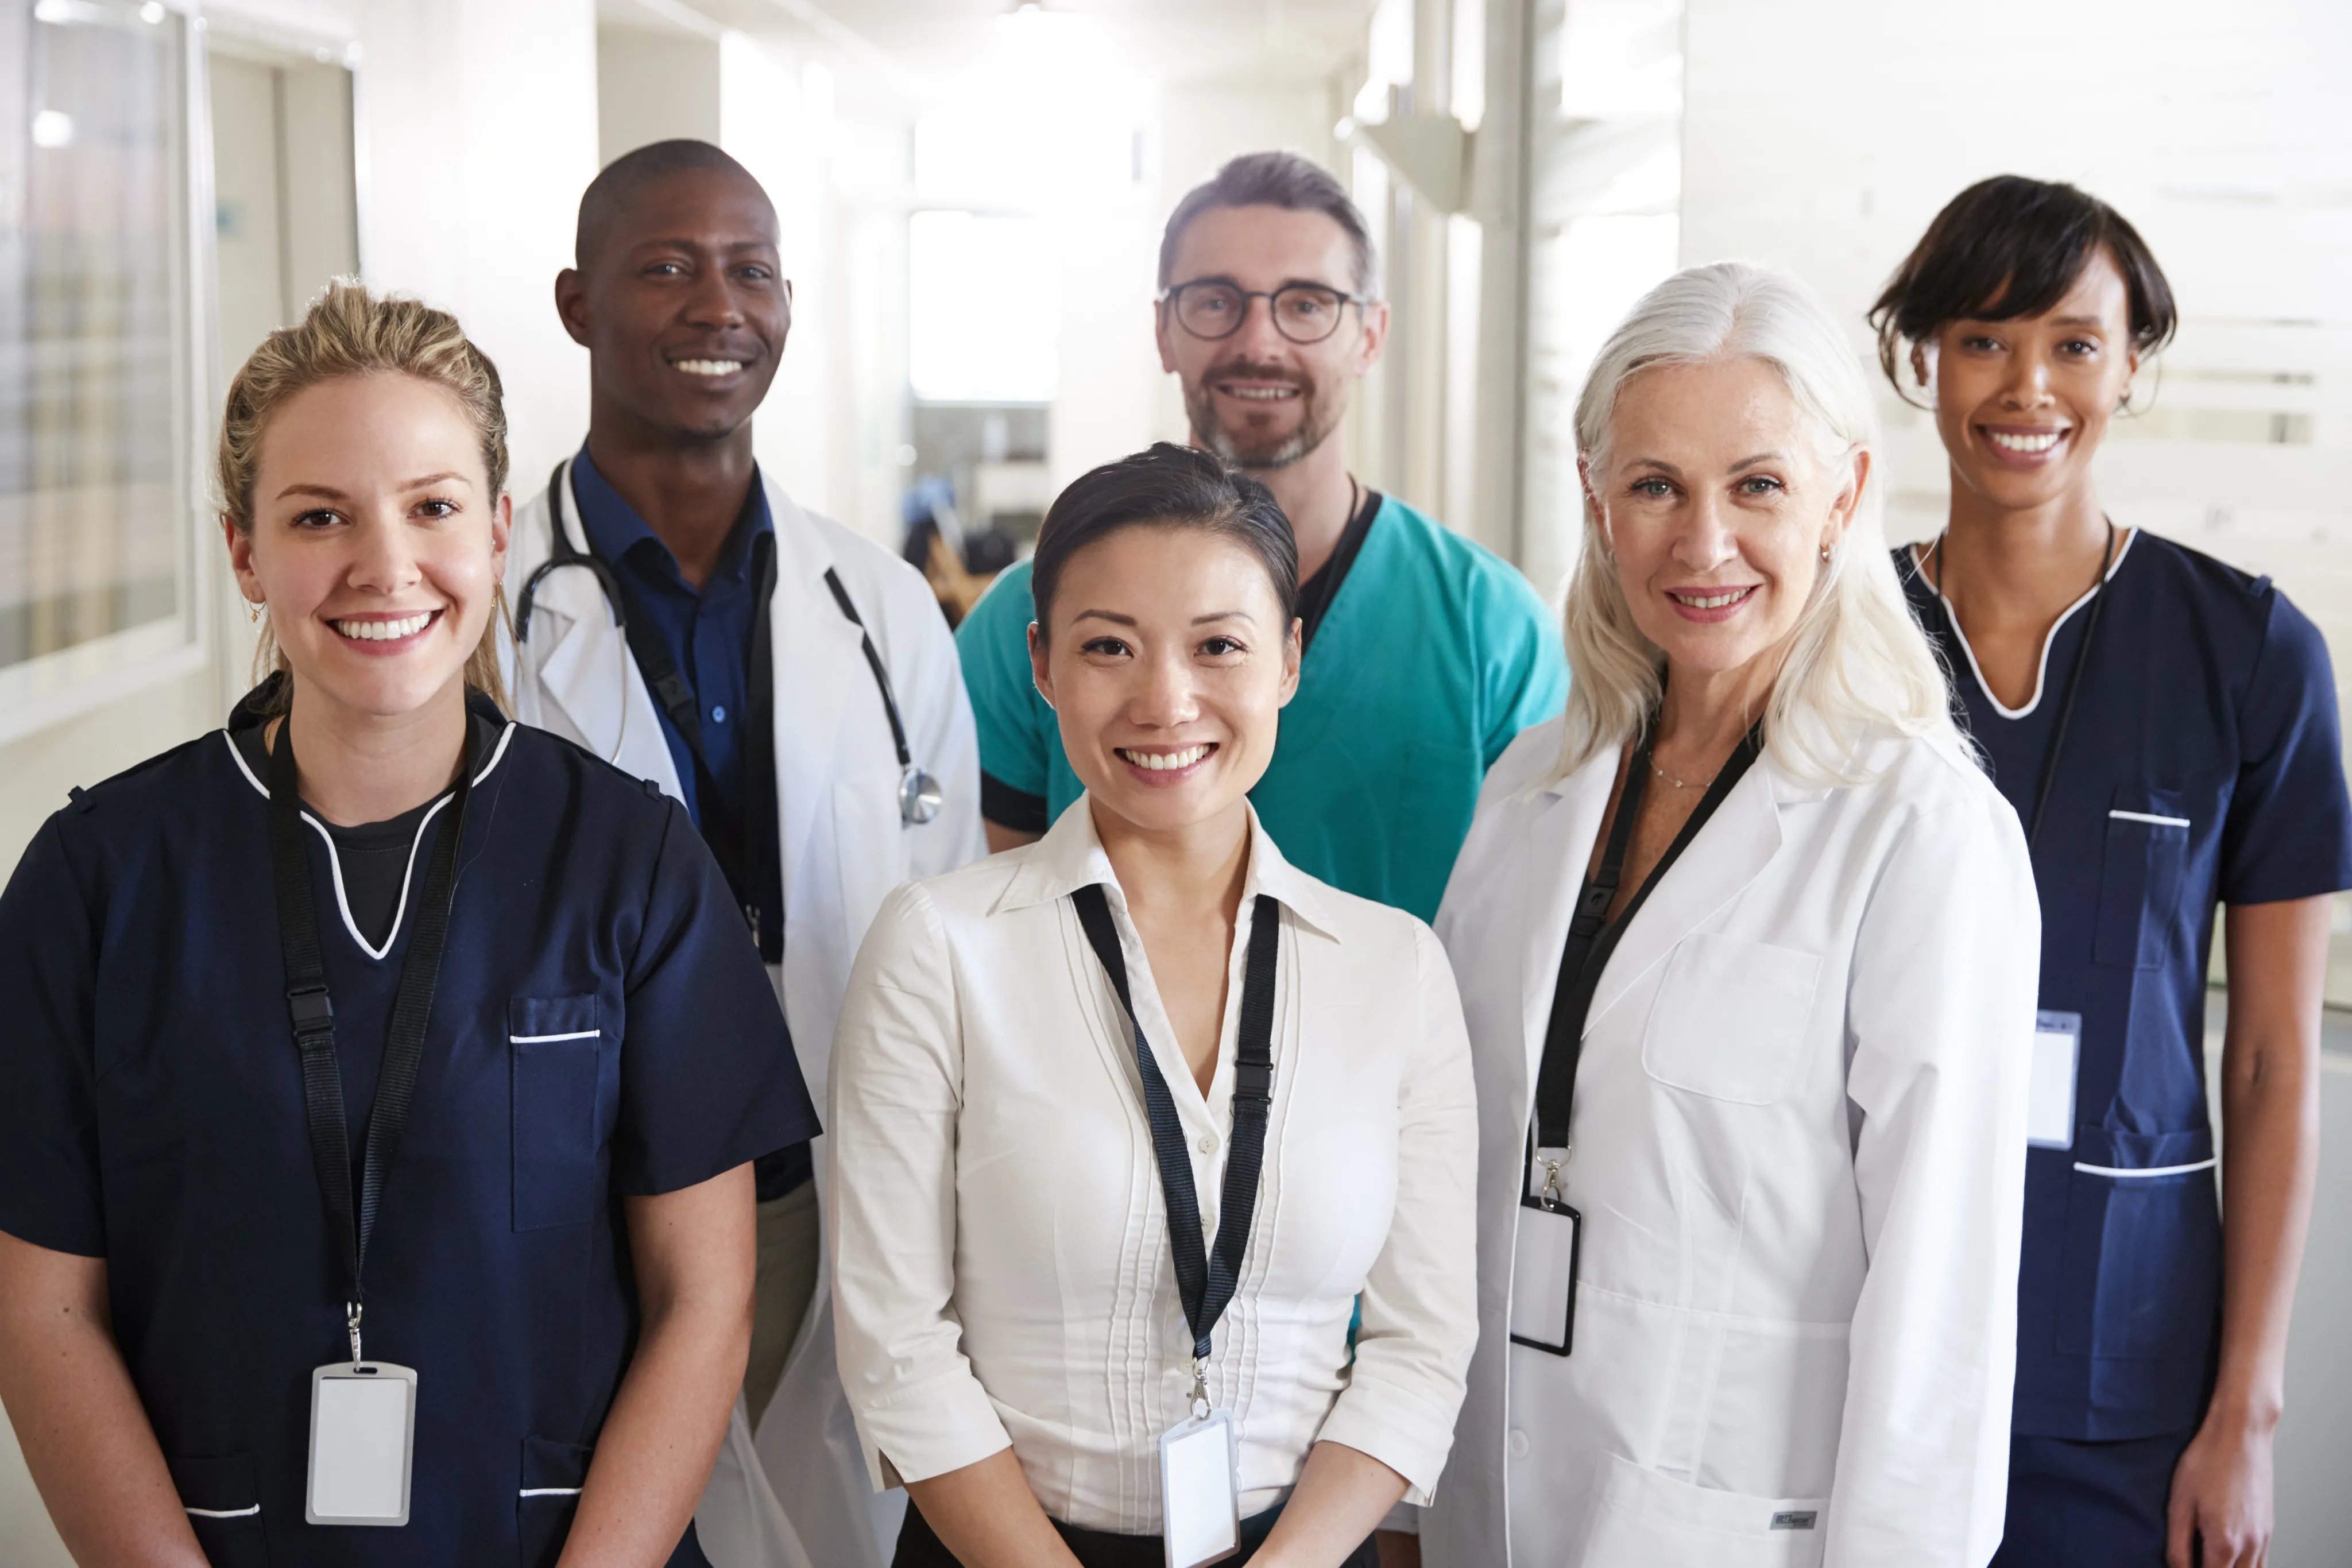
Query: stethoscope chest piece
919, 797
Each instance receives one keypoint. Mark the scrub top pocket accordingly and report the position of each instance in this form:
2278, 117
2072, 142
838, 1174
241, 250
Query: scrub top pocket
224, 1505
2141, 1275
2139, 886
553, 1473
1730, 1018
555, 1045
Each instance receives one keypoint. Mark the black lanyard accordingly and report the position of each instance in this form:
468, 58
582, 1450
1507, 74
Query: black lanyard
1205, 1281
2073, 677
313, 1014
1591, 937
740, 846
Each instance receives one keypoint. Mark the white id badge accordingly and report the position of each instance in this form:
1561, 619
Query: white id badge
362, 1437
2050, 1105
1543, 1276
1199, 1498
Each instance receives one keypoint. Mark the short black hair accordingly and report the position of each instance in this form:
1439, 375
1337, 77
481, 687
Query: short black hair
2011, 247
609, 194
1171, 487
1284, 180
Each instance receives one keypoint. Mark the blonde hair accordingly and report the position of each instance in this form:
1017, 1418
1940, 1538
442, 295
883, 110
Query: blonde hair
348, 331
1855, 662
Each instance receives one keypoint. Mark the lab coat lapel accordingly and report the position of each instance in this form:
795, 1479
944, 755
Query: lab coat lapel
818, 668
1729, 852
1560, 844
583, 652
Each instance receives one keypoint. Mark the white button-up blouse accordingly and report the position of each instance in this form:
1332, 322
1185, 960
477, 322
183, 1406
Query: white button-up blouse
1001, 1252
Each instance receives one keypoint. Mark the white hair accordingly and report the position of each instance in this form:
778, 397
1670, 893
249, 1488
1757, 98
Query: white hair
1855, 662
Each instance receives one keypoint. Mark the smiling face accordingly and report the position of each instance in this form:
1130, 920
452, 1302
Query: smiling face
1716, 501
2022, 404
378, 557
683, 307
1167, 663
1256, 399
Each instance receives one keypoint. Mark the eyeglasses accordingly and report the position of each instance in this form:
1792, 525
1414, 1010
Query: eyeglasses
1213, 309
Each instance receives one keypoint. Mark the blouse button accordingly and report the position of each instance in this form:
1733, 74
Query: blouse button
1208, 1143
1517, 1444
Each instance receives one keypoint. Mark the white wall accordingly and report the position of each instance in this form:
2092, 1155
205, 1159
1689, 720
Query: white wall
653, 86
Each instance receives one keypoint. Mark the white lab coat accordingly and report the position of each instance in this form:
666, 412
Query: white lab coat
1799, 1138
844, 848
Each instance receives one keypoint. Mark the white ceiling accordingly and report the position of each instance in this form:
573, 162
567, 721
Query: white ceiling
915, 46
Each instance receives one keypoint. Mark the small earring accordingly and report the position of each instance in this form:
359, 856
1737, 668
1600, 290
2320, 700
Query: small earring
253, 612
1826, 554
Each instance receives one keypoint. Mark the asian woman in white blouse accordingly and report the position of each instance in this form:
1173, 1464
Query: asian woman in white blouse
1801, 1034
1013, 1335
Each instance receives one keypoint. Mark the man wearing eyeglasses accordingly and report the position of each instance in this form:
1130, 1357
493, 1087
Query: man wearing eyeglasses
1426, 654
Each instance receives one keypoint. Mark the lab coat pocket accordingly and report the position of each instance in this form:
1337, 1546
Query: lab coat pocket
1729, 1020
2140, 885
554, 1045
553, 1474
224, 1503
2141, 1275
1646, 1518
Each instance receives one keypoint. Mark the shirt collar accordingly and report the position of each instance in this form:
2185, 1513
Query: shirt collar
1070, 856
616, 533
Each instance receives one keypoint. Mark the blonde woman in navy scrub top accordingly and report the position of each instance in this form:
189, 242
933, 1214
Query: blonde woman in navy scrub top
450, 963
2166, 726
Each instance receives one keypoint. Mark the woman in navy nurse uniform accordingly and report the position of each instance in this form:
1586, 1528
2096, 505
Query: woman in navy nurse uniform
2166, 726
531, 952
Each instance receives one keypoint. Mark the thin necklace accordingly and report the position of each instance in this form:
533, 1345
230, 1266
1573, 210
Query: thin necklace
1676, 782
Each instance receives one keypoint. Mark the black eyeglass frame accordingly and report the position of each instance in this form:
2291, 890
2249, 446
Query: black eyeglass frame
1173, 301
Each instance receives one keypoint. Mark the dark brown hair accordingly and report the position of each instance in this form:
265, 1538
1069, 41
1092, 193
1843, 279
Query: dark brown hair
2009, 247
1167, 486
1282, 179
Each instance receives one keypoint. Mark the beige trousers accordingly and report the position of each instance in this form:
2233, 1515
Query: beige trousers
779, 1299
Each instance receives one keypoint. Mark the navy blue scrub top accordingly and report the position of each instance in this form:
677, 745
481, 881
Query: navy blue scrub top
603, 1027
2208, 698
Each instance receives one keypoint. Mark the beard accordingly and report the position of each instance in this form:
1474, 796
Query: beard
1247, 448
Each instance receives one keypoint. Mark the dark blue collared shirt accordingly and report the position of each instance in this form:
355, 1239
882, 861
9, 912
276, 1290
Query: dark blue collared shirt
707, 633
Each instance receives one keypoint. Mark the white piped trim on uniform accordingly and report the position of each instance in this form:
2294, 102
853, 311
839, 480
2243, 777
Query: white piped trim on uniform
548, 1491
2204, 1164
222, 1512
2042, 670
2151, 820
408, 875
334, 861
546, 1038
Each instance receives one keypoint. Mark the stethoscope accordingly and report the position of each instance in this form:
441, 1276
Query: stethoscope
919, 797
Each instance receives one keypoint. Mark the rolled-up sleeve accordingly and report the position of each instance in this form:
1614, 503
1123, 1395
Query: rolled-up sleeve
1421, 1297
897, 1081
1941, 1013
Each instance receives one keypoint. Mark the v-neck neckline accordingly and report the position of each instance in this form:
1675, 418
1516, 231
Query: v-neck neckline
2049, 638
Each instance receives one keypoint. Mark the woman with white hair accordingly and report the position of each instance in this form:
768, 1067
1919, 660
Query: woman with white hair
1747, 947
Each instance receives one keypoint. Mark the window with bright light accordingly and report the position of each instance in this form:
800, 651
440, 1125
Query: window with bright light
984, 307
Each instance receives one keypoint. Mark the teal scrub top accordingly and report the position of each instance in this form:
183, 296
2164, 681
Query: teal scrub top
1433, 654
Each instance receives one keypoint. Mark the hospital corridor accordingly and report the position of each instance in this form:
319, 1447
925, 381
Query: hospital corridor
1517, 783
